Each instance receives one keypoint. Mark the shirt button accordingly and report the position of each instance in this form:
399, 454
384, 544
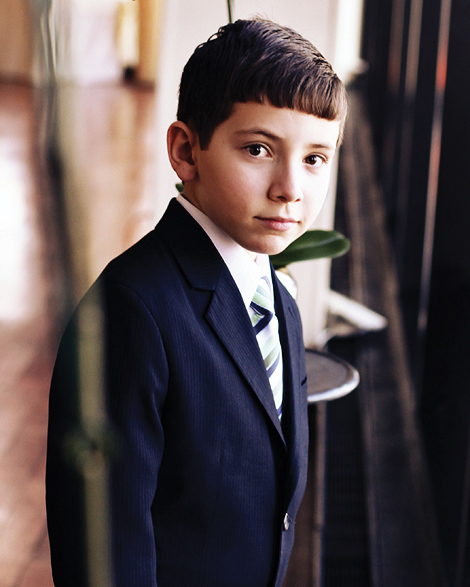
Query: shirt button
286, 522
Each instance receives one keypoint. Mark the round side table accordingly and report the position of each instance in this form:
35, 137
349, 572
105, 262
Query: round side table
329, 377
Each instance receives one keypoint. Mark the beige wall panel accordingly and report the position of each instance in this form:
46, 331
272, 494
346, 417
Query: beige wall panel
150, 17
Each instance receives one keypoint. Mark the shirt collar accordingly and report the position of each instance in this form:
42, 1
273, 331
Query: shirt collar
245, 270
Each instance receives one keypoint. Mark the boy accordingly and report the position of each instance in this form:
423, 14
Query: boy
212, 433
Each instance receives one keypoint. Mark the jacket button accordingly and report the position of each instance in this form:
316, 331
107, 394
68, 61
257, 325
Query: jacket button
286, 522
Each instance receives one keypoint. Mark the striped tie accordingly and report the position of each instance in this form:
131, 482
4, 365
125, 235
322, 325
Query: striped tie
266, 329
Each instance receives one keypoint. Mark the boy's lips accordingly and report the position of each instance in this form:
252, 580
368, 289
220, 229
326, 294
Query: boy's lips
278, 223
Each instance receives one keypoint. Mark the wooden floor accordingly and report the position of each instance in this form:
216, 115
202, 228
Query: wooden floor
114, 148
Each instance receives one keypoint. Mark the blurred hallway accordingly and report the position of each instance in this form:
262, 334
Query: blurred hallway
27, 348
115, 148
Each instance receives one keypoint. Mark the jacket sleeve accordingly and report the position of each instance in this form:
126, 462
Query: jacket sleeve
136, 379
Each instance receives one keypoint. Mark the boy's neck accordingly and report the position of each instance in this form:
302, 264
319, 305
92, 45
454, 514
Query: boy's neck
253, 255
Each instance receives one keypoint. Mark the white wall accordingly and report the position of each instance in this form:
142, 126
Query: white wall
333, 27
85, 42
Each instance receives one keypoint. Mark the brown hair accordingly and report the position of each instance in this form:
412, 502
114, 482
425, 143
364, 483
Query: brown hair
257, 61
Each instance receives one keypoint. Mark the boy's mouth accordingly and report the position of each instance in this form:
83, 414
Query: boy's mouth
278, 223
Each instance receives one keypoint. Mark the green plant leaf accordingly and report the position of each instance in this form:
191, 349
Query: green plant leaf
314, 244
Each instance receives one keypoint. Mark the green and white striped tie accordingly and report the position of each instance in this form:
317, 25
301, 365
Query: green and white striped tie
266, 328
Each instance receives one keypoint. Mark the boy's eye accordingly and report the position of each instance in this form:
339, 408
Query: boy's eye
315, 160
256, 150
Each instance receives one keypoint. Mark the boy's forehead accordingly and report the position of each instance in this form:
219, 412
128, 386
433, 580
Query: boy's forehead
255, 118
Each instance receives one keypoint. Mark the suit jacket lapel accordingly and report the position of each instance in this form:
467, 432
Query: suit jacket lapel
290, 333
227, 315
230, 321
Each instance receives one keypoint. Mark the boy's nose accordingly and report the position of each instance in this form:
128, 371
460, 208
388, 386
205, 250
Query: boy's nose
285, 184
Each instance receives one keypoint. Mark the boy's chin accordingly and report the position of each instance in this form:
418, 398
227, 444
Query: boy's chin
279, 245
272, 248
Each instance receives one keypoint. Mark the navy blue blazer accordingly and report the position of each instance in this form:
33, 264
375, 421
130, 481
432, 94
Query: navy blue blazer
205, 483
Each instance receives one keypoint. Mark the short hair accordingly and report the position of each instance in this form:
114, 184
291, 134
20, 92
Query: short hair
257, 61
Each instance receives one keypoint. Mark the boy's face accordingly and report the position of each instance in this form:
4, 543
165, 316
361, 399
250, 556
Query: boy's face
264, 177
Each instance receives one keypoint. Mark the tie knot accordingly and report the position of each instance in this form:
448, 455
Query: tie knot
263, 298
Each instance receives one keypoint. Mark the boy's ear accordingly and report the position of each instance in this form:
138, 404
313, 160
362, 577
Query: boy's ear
181, 141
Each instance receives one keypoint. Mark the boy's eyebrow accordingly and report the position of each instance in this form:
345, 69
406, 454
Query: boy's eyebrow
274, 137
258, 131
